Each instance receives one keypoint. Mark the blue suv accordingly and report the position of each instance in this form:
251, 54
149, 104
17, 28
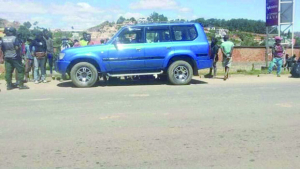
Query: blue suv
177, 50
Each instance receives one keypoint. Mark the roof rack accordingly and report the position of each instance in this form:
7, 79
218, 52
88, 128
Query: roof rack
161, 22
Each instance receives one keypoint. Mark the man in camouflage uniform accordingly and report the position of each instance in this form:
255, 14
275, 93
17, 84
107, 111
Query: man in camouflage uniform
10, 47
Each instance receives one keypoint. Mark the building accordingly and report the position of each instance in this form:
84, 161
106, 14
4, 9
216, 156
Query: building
220, 33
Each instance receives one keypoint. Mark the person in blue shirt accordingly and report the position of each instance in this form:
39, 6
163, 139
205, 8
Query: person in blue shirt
28, 60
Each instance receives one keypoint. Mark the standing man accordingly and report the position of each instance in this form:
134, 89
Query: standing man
39, 53
85, 40
50, 51
11, 47
29, 60
1, 53
227, 50
214, 56
278, 52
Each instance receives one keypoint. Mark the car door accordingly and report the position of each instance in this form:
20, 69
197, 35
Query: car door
127, 55
157, 47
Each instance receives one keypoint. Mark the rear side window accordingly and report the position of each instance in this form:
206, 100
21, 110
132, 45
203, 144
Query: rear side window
158, 34
184, 33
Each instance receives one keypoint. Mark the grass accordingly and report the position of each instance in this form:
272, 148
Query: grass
2, 76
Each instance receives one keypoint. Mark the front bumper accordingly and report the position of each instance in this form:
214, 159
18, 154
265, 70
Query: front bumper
62, 66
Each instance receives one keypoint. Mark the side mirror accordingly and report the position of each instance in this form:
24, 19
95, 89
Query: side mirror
116, 42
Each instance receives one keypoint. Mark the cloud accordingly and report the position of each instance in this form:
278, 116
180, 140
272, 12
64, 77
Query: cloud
154, 4
158, 5
81, 15
185, 9
69, 8
27, 7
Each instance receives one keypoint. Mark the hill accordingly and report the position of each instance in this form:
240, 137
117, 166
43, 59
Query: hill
6, 23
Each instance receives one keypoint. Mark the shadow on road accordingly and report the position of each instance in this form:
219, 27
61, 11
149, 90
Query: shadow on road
113, 83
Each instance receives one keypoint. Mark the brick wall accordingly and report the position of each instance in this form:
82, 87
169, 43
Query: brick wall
244, 58
241, 54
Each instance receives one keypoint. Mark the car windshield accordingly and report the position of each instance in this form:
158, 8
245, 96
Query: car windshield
115, 36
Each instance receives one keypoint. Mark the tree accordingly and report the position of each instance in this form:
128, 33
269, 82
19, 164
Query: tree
156, 17
27, 24
24, 32
297, 41
35, 23
121, 20
244, 25
289, 35
132, 19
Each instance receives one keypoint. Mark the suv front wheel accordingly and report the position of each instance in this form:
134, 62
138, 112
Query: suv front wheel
180, 73
84, 75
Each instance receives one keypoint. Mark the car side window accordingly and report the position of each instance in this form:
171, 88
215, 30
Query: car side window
158, 34
131, 35
184, 33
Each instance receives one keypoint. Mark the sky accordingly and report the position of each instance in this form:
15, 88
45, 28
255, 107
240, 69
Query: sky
83, 14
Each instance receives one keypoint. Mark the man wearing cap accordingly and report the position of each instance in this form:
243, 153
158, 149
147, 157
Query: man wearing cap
10, 46
278, 52
227, 50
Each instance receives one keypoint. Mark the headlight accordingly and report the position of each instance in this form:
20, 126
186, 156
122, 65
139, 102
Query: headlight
61, 56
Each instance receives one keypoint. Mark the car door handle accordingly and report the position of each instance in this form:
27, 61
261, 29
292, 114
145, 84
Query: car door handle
138, 49
169, 47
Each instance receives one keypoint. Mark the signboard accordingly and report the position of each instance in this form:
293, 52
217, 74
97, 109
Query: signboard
272, 10
286, 15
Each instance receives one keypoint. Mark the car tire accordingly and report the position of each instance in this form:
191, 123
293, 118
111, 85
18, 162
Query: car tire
180, 73
84, 75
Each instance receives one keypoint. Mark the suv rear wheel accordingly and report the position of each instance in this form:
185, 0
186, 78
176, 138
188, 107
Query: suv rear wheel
84, 75
180, 73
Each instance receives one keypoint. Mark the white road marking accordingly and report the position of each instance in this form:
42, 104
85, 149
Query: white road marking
47, 99
139, 95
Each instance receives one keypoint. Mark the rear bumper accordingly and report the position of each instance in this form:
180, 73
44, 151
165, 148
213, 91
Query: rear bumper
62, 66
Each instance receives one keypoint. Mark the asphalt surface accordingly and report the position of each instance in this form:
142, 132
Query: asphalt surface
246, 122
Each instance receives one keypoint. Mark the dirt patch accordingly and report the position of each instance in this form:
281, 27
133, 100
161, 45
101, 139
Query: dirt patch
1, 68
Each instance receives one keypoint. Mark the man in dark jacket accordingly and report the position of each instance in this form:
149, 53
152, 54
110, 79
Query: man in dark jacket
50, 50
1, 53
214, 56
38, 49
10, 46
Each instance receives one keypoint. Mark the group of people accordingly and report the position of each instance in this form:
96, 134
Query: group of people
280, 58
32, 55
35, 52
84, 41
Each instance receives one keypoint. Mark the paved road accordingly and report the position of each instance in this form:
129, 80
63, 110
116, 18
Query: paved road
246, 122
